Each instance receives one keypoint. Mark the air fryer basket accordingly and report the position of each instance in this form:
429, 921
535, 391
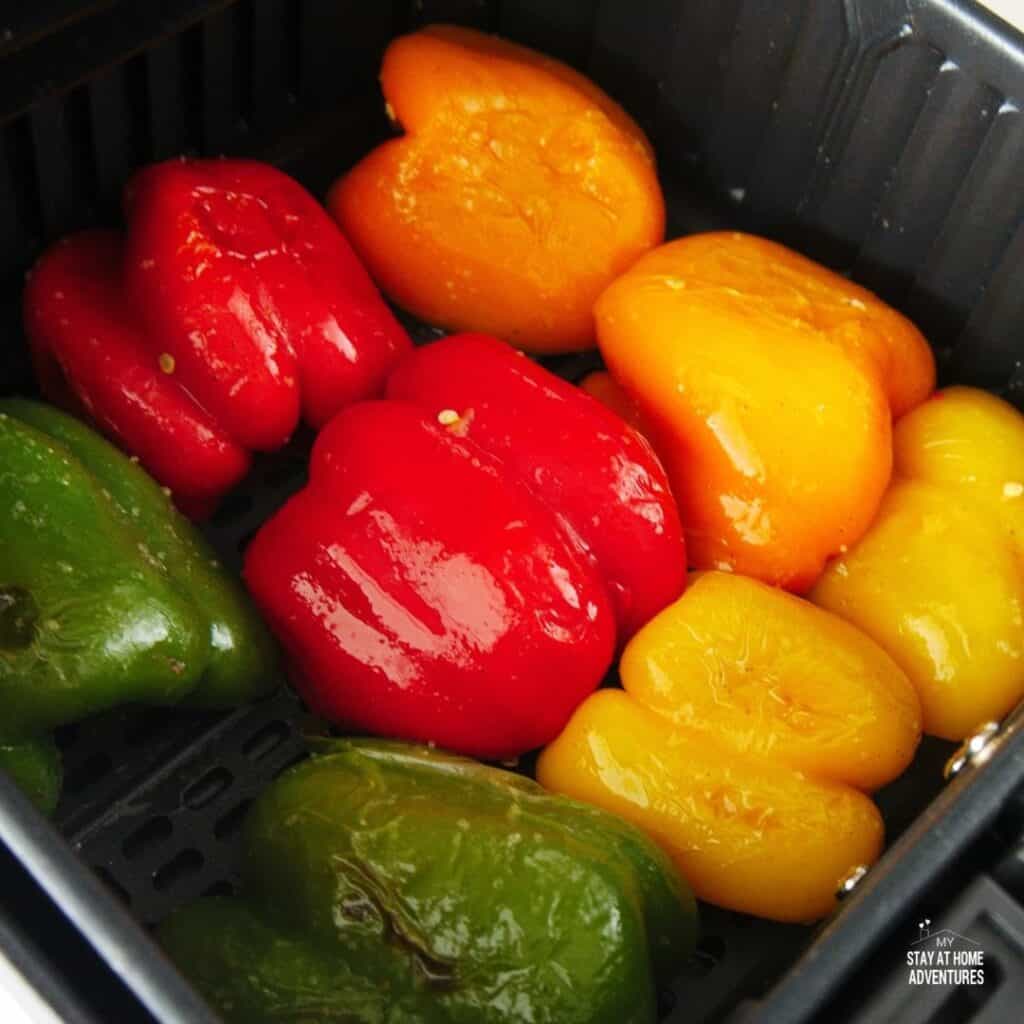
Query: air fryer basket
883, 137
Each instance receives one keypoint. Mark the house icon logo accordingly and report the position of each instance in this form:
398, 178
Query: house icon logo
944, 957
944, 938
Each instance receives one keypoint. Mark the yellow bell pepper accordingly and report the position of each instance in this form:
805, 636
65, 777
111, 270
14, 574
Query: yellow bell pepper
938, 580
750, 724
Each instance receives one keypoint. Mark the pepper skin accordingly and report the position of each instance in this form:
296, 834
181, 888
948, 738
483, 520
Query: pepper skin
518, 192
749, 724
391, 882
35, 765
233, 302
767, 385
92, 357
597, 473
107, 595
601, 385
424, 593
938, 579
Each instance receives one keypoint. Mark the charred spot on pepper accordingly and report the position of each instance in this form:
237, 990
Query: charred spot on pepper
19, 617
358, 908
366, 904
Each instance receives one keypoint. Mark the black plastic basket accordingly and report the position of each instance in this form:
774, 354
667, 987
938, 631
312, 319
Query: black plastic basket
884, 137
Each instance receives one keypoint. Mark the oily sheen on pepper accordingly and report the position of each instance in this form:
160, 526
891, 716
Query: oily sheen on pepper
389, 882
518, 191
108, 596
592, 469
767, 384
232, 306
750, 725
125, 601
423, 592
938, 580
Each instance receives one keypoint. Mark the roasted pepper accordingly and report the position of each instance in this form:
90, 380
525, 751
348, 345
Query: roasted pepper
35, 765
938, 580
390, 882
424, 592
107, 595
518, 192
597, 473
750, 723
767, 385
233, 303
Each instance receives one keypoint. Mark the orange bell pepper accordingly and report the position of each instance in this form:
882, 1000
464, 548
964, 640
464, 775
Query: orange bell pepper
938, 580
519, 191
767, 384
750, 724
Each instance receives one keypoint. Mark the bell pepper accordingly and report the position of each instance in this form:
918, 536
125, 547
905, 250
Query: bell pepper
232, 304
938, 579
425, 593
767, 385
593, 470
391, 882
107, 595
750, 724
601, 385
35, 765
519, 191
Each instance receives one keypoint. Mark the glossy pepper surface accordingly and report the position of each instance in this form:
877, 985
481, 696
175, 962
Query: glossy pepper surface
767, 385
750, 724
597, 473
938, 579
518, 191
391, 882
107, 595
232, 305
423, 592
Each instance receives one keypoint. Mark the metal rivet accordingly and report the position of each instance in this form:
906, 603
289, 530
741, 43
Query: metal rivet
851, 880
971, 749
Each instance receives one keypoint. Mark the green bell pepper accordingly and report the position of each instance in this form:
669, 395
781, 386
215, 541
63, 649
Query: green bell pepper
35, 766
384, 882
107, 594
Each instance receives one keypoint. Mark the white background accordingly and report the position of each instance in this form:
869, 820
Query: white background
1011, 10
19, 1003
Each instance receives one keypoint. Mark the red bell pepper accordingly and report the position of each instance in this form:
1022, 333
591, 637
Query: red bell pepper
425, 592
600, 476
234, 304
91, 357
